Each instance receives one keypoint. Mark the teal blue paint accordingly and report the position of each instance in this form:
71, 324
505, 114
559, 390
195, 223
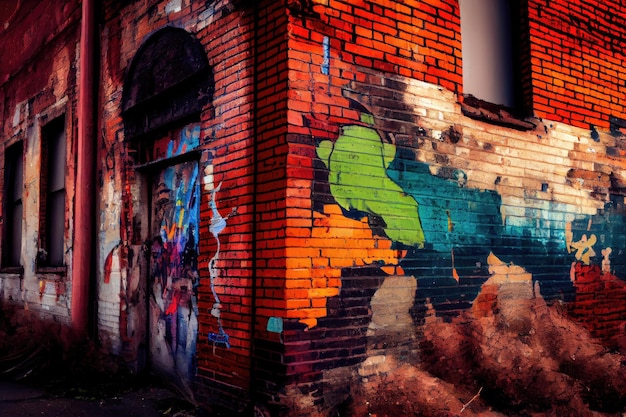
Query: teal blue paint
463, 225
475, 214
275, 325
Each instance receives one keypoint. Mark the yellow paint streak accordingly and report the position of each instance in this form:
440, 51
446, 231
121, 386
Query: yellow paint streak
584, 248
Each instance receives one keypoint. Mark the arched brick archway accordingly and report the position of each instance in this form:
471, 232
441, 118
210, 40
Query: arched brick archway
168, 85
169, 82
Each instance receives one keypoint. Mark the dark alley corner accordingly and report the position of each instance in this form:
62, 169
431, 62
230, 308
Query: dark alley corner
46, 371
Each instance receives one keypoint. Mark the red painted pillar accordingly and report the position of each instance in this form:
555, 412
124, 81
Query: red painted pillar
84, 242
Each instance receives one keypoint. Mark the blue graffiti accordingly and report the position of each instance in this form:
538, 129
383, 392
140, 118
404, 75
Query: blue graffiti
189, 139
462, 226
326, 63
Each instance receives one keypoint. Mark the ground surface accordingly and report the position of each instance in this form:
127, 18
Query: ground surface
20, 400
46, 371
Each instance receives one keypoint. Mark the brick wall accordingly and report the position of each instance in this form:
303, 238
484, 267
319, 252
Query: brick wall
389, 180
350, 209
37, 85
272, 209
229, 137
577, 57
222, 359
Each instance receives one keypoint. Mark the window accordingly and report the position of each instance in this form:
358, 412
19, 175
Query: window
12, 219
169, 83
495, 54
52, 214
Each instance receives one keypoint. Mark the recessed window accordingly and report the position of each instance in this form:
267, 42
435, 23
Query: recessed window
52, 221
12, 219
169, 83
494, 58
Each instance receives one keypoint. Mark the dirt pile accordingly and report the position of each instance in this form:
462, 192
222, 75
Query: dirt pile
411, 391
511, 352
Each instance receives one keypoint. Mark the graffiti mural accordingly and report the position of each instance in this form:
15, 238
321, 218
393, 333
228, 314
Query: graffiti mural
473, 278
370, 190
178, 143
447, 229
174, 276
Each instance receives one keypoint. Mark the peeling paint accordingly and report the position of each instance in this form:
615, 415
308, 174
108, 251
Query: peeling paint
218, 223
174, 6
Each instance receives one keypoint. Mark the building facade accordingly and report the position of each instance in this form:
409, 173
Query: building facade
323, 207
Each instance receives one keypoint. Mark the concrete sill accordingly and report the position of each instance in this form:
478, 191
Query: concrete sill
493, 113
12, 270
55, 270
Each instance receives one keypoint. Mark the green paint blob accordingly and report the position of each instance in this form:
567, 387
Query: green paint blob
357, 163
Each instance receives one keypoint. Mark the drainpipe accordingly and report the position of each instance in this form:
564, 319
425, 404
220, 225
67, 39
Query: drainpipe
255, 181
84, 242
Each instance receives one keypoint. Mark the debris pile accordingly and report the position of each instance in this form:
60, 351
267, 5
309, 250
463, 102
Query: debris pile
510, 354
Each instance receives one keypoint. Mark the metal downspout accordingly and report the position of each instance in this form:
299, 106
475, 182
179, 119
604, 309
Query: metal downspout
84, 242
255, 247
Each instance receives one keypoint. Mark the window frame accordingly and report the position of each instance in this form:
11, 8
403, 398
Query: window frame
515, 113
53, 183
12, 197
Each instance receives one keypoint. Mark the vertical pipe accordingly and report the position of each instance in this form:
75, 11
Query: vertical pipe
83, 246
255, 246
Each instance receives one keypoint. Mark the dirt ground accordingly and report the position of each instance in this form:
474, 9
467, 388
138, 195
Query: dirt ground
45, 371
120, 397
20, 400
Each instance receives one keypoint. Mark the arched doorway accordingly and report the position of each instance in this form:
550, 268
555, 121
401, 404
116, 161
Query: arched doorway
168, 86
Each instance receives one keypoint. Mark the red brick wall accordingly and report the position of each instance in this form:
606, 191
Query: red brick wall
393, 37
30, 46
25, 36
300, 275
225, 31
318, 103
480, 187
273, 210
39, 45
228, 42
577, 61
418, 39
